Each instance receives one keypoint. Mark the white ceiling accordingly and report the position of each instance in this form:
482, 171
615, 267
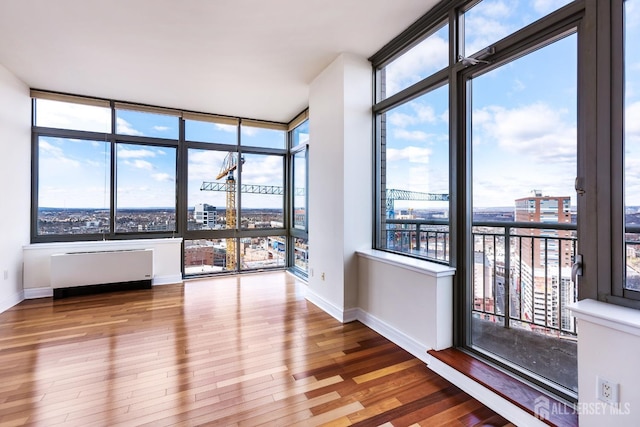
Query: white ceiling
248, 58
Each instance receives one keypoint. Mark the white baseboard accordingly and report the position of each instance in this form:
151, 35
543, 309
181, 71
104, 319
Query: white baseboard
487, 397
167, 280
328, 307
397, 337
10, 301
350, 315
33, 293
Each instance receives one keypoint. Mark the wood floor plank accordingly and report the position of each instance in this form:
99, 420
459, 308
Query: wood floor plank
238, 351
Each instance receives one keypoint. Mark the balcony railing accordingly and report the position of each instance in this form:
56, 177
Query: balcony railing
521, 270
423, 238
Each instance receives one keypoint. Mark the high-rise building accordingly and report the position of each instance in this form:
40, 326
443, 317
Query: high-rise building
546, 257
205, 214
548, 246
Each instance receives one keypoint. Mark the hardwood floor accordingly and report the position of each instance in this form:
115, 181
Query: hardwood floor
246, 350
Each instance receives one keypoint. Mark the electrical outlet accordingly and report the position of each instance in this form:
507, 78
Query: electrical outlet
6, 274
607, 391
322, 276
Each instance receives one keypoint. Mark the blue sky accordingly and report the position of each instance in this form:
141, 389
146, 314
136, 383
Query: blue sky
145, 174
523, 114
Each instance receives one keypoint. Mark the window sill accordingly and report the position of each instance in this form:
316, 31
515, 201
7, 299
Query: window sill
611, 316
106, 244
505, 386
418, 265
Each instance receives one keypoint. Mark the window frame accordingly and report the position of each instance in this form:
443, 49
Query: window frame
181, 173
601, 59
293, 231
599, 24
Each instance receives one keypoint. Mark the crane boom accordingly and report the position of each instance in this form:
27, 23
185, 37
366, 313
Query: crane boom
251, 188
394, 194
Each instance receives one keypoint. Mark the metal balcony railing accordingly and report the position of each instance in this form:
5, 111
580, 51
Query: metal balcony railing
423, 238
521, 270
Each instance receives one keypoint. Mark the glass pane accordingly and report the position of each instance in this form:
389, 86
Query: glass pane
262, 252
301, 134
204, 256
632, 141
300, 190
524, 162
415, 177
217, 133
66, 204
145, 189
492, 20
261, 137
301, 254
207, 196
262, 191
419, 62
67, 115
139, 123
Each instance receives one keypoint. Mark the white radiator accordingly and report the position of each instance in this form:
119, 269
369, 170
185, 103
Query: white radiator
98, 268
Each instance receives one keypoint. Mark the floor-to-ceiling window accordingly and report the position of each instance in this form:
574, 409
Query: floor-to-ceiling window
111, 170
412, 123
533, 183
299, 213
524, 151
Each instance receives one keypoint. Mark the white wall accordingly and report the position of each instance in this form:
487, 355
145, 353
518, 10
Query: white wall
340, 181
409, 301
37, 260
15, 184
608, 347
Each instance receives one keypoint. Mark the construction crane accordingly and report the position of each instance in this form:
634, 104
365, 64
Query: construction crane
229, 165
393, 195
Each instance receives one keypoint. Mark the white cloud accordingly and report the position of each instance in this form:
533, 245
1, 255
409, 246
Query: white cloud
425, 58
72, 116
412, 154
126, 153
535, 130
262, 170
249, 131
410, 135
632, 120
56, 154
226, 128
544, 7
204, 165
401, 119
162, 177
423, 114
484, 25
496, 9
125, 128
161, 128
140, 164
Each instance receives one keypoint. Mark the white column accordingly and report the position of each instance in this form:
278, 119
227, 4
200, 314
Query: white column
340, 181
